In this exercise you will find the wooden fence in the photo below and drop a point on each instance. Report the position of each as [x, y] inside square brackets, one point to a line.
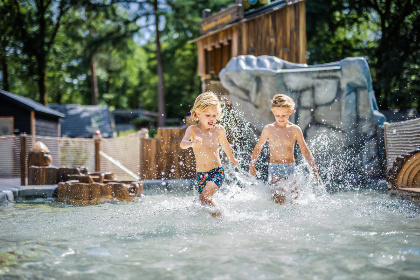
[130, 157]
[164, 158]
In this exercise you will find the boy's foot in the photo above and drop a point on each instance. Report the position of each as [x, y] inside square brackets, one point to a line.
[216, 214]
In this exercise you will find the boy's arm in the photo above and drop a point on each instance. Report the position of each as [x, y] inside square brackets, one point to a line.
[226, 146]
[186, 141]
[257, 151]
[307, 154]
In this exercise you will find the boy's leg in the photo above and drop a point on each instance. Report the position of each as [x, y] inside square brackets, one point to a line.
[206, 195]
[278, 191]
[206, 198]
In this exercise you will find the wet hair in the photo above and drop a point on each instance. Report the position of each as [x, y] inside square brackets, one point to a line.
[203, 102]
[282, 101]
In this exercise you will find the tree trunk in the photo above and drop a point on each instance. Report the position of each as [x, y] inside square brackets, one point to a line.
[42, 88]
[41, 56]
[94, 83]
[5, 69]
[161, 83]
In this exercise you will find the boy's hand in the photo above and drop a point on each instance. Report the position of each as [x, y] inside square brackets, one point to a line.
[195, 141]
[252, 170]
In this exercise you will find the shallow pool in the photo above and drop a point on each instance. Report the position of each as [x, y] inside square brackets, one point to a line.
[360, 234]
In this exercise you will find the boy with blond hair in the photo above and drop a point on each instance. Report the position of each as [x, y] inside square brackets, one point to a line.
[282, 136]
[205, 138]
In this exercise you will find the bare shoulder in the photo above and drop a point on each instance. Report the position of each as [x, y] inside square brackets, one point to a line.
[266, 131]
[220, 130]
[269, 127]
[191, 130]
[295, 128]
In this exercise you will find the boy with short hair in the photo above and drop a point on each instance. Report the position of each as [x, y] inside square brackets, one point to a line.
[204, 138]
[282, 136]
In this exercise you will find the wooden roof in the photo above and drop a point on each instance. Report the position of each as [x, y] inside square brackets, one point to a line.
[249, 15]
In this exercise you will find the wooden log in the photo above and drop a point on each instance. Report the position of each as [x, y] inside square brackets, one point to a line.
[404, 176]
[79, 194]
[408, 169]
[42, 175]
[107, 192]
[134, 189]
[94, 193]
[51, 175]
[61, 195]
[87, 179]
[140, 186]
[63, 173]
[121, 192]
[106, 175]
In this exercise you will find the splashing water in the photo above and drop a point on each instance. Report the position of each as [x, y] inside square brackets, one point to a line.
[168, 235]
[347, 234]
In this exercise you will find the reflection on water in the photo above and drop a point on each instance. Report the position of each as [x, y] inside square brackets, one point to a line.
[348, 235]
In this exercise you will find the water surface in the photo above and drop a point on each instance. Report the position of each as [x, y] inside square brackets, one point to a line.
[360, 234]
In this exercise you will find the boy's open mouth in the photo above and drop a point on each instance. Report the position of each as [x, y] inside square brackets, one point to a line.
[210, 123]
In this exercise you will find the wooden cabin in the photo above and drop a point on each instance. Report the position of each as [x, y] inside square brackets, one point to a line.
[276, 29]
[19, 114]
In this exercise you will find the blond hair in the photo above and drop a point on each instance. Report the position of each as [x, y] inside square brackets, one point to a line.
[282, 101]
[203, 102]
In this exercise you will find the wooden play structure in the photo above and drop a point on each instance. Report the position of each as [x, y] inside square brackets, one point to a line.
[402, 145]
[275, 29]
[404, 176]
[80, 193]
[76, 185]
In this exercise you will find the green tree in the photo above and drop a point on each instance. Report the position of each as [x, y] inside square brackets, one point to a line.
[386, 32]
[37, 24]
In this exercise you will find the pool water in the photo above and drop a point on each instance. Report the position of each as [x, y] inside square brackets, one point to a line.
[358, 234]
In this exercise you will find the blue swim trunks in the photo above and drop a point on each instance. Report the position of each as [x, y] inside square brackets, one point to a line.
[216, 175]
[283, 170]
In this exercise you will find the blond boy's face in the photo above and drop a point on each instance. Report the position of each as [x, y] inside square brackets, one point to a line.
[208, 117]
[281, 115]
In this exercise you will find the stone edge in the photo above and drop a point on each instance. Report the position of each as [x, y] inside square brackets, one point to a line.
[14, 194]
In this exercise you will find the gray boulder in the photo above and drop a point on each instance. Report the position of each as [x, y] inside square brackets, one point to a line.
[334, 100]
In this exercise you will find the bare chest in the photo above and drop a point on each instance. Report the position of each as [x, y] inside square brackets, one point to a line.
[209, 139]
[281, 137]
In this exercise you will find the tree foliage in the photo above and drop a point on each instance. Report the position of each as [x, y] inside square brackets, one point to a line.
[385, 32]
[62, 39]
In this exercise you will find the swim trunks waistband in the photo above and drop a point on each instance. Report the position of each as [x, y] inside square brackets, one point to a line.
[283, 170]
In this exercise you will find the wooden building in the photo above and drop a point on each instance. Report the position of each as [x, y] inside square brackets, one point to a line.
[275, 29]
[19, 114]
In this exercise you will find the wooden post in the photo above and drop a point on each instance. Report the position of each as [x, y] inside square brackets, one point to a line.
[143, 134]
[33, 127]
[23, 167]
[97, 138]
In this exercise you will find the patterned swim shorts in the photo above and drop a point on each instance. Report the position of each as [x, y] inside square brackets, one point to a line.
[216, 175]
